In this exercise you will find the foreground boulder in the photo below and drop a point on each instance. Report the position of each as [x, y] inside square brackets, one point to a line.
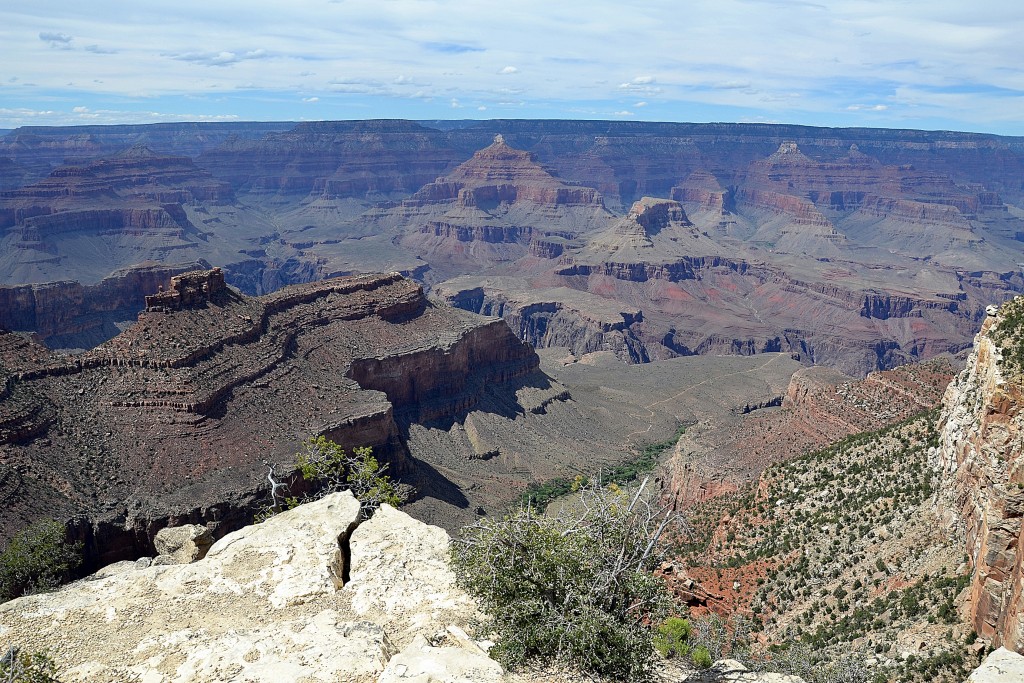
[268, 603]
[183, 544]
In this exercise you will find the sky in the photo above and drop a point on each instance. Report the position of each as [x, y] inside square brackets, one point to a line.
[923, 64]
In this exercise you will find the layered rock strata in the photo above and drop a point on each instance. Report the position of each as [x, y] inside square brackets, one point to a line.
[794, 238]
[178, 419]
[69, 314]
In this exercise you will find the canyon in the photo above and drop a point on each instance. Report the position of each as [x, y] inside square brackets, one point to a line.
[855, 248]
[489, 305]
[180, 418]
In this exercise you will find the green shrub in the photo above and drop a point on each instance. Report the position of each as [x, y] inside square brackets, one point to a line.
[329, 469]
[576, 589]
[671, 637]
[21, 667]
[38, 559]
[700, 657]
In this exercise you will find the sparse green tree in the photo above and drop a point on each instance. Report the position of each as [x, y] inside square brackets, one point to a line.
[38, 558]
[671, 637]
[329, 469]
[701, 658]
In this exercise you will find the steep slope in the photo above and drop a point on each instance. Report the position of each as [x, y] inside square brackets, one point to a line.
[841, 555]
[819, 407]
[862, 545]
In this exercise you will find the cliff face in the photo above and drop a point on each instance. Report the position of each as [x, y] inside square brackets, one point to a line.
[69, 314]
[982, 458]
[546, 317]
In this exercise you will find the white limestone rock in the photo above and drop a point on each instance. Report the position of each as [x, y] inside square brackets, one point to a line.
[422, 663]
[400, 567]
[732, 671]
[263, 603]
[1002, 666]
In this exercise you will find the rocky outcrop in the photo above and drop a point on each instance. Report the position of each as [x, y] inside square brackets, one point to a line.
[173, 421]
[183, 544]
[498, 207]
[299, 597]
[500, 174]
[703, 190]
[982, 461]
[190, 290]
[309, 595]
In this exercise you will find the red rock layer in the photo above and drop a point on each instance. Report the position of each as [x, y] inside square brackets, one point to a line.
[501, 174]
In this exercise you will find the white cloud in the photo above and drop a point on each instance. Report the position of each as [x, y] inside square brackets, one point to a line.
[311, 99]
[643, 85]
[624, 112]
[222, 58]
[509, 70]
[867, 107]
[640, 104]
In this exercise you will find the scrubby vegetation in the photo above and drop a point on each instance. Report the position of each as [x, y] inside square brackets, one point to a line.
[1009, 335]
[38, 558]
[540, 495]
[18, 666]
[862, 572]
[575, 589]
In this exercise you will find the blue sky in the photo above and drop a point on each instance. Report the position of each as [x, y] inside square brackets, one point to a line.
[930, 64]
